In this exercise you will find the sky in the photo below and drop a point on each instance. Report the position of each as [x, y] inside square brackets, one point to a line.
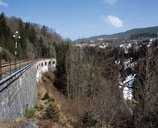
[85, 18]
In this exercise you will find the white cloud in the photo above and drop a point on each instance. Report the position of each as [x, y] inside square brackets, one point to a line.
[111, 2]
[114, 21]
[4, 4]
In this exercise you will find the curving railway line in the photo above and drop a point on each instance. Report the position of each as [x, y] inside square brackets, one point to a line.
[8, 68]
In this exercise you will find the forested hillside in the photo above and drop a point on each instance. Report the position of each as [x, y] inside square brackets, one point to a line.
[36, 41]
[118, 84]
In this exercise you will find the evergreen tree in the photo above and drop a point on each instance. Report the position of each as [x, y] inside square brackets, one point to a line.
[6, 40]
[4, 31]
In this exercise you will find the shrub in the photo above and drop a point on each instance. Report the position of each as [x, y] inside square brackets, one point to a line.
[29, 113]
[88, 120]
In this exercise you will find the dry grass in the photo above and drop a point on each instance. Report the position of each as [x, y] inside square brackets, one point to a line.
[8, 125]
[52, 103]
[13, 124]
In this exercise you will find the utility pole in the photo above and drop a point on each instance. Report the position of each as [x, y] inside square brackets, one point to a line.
[16, 36]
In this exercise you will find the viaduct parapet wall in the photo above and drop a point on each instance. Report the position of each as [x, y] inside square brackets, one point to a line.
[20, 95]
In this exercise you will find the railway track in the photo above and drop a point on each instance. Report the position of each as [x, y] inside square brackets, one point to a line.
[9, 68]
[8, 80]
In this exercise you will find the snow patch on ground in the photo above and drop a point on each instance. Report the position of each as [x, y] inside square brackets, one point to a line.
[127, 85]
[150, 43]
[103, 46]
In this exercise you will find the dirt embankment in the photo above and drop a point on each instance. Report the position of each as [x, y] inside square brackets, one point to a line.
[50, 111]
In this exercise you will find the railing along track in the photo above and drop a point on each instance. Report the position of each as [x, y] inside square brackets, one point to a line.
[7, 81]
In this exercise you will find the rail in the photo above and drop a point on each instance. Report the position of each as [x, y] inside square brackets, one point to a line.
[6, 82]
[8, 68]
[13, 63]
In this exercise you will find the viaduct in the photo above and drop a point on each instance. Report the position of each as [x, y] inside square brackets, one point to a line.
[18, 90]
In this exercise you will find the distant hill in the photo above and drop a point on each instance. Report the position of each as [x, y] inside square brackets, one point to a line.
[138, 33]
